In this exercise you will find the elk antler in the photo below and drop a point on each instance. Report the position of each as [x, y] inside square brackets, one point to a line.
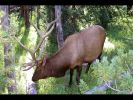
[42, 35]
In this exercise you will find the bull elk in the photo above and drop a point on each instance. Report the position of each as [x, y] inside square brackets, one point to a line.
[78, 48]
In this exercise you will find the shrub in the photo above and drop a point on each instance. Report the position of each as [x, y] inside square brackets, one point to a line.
[119, 71]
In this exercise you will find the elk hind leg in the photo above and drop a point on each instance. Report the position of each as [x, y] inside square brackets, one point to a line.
[71, 76]
[87, 69]
[79, 69]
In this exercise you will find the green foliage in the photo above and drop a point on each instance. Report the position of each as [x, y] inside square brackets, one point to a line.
[1, 13]
[57, 86]
[83, 86]
[51, 42]
[23, 32]
[2, 80]
[119, 70]
[51, 45]
[70, 17]
[2, 70]
[48, 87]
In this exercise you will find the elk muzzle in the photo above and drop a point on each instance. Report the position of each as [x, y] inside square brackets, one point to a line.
[35, 77]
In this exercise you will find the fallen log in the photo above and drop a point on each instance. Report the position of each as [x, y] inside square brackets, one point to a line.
[99, 88]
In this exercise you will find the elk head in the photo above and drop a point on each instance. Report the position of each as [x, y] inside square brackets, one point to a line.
[40, 68]
[35, 62]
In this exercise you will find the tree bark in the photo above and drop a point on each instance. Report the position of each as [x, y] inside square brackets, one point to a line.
[24, 11]
[38, 16]
[59, 30]
[7, 52]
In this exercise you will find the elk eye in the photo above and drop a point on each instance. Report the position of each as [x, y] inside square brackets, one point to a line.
[38, 68]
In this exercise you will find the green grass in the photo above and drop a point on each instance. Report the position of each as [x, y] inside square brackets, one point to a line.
[60, 85]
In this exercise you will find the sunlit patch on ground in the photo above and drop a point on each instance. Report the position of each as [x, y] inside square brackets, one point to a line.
[108, 44]
[29, 72]
[25, 77]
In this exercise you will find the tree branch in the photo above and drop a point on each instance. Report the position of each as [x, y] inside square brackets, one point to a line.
[102, 87]
[49, 24]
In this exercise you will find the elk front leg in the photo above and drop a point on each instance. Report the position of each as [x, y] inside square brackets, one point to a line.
[79, 69]
[71, 75]
[87, 69]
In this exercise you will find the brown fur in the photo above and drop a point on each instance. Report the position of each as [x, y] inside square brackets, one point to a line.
[78, 48]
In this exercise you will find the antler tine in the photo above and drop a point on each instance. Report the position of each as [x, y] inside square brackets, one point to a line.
[38, 31]
[31, 53]
[29, 67]
[49, 24]
[27, 64]
[42, 37]
[23, 46]
[45, 35]
[30, 64]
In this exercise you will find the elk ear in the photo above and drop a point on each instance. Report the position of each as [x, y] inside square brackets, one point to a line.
[44, 62]
[44, 59]
[46, 55]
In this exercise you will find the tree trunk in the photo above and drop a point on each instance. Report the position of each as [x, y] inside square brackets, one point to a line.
[7, 52]
[38, 17]
[59, 30]
[24, 11]
[30, 85]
